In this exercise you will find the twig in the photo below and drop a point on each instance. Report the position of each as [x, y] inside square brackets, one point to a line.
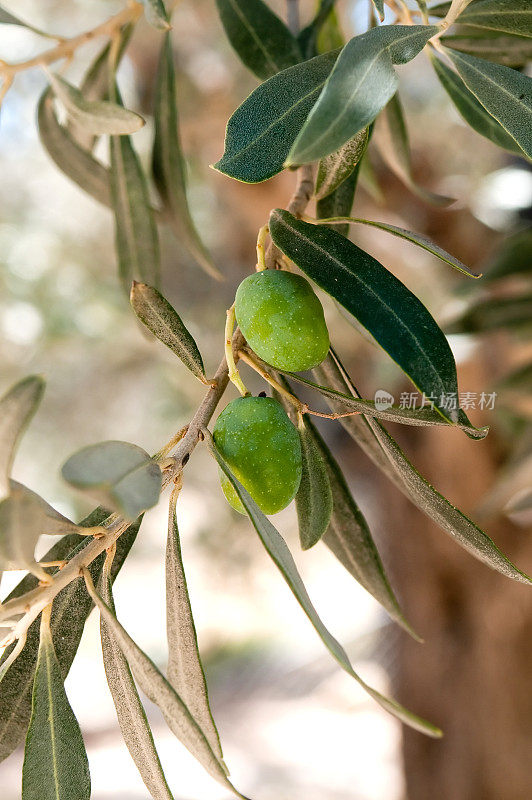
[297, 205]
[292, 16]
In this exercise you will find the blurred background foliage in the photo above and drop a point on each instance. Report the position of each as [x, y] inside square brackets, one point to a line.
[292, 725]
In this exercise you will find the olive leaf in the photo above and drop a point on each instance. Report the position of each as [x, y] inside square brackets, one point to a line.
[309, 36]
[505, 93]
[262, 129]
[384, 451]
[361, 83]
[510, 50]
[24, 517]
[17, 407]
[75, 162]
[155, 13]
[334, 169]
[168, 163]
[164, 322]
[282, 558]
[415, 238]
[134, 725]
[394, 316]
[471, 110]
[514, 257]
[185, 670]
[55, 761]
[261, 40]
[96, 116]
[70, 610]
[493, 313]
[379, 5]
[508, 16]
[137, 242]
[119, 475]
[314, 501]
[159, 691]
[404, 416]
[391, 136]
[340, 202]
[6, 18]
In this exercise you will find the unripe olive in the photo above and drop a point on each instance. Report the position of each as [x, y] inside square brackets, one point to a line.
[282, 320]
[263, 450]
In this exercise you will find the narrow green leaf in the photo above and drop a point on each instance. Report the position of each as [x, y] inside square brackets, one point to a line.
[513, 257]
[314, 501]
[17, 407]
[119, 475]
[132, 719]
[165, 323]
[440, 10]
[505, 94]
[24, 517]
[340, 202]
[137, 242]
[185, 670]
[96, 116]
[509, 50]
[394, 316]
[155, 13]
[362, 82]
[415, 238]
[159, 691]
[493, 313]
[75, 162]
[280, 554]
[384, 451]
[169, 165]
[394, 146]
[55, 761]
[309, 36]
[261, 40]
[6, 18]
[508, 16]
[262, 130]
[70, 610]
[404, 416]
[337, 167]
[471, 110]
[379, 5]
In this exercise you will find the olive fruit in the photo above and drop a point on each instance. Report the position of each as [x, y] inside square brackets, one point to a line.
[282, 320]
[263, 450]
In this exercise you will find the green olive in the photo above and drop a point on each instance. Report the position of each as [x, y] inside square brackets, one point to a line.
[282, 320]
[263, 450]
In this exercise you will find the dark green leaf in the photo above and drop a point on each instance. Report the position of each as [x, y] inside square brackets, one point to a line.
[493, 313]
[309, 36]
[70, 610]
[508, 16]
[56, 766]
[514, 257]
[159, 691]
[512, 51]
[169, 165]
[340, 202]
[95, 116]
[394, 147]
[314, 497]
[155, 13]
[185, 670]
[76, 163]
[17, 407]
[404, 416]
[379, 5]
[282, 558]
[261, 131]
[120, 475]
[165, 323]
[337, 167]
[360, 85]
[394, 316]
[261, 40]
[134, 725]
[471, 110]
[384, 451]
[415, 238]
[137, 243]
[505, 94]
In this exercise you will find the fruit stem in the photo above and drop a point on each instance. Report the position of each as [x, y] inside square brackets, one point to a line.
[261, 250]
[246, 356]
[234, 375]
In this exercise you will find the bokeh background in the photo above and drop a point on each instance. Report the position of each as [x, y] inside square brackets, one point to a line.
[292, 724]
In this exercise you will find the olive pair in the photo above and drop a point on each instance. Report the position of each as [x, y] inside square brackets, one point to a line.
[283, 322]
